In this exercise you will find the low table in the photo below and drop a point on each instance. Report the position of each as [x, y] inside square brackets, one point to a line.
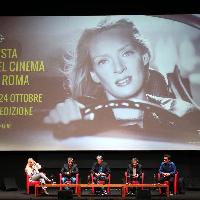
[122, 186]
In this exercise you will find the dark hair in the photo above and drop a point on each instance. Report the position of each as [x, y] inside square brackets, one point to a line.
[168, 156]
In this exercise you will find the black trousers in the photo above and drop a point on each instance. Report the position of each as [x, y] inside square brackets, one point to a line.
[133, 189]
[100, 178]
[171, 182]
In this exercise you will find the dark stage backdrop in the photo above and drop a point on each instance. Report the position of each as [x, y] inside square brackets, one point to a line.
[46, 78]
[13, 163]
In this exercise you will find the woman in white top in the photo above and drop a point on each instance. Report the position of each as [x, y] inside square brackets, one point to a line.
[32, 169]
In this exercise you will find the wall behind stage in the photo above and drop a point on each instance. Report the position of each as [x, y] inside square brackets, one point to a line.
[13, 163]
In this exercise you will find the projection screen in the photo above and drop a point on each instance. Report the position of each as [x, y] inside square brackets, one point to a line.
[127, 82]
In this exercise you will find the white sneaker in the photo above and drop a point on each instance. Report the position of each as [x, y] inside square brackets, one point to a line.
[105, 192]
[45, 192]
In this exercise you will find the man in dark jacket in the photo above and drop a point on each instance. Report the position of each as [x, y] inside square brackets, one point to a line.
[134, 173]
[69, 171]
[167, 171]
[100, 170]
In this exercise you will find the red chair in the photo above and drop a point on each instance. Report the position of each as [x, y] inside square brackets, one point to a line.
[69, 182]
[133, 182]
[30, 183]
[101, 182]
[175, 182]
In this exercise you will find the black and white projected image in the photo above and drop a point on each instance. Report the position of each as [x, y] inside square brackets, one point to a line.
[100, 82]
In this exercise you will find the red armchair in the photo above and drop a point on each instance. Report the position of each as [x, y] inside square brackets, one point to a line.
[30, 183]
[68, 182]
[133, 182]
[101, 182]
[175, 182]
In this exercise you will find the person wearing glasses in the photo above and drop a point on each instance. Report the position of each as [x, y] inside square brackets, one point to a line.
[167, 171]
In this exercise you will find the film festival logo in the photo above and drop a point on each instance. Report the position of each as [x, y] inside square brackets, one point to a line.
[2, 38]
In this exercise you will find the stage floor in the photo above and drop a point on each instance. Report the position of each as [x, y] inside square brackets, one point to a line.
[115, 195]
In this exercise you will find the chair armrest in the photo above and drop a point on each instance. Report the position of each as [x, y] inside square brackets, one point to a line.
[142, 177]
[109, 177]
[77, 178]
[126, 177]
[158, 176]
[60, 177]
[92, 177]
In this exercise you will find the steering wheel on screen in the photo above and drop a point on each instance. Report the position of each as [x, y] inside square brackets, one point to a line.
[156, 110]
[173, 124]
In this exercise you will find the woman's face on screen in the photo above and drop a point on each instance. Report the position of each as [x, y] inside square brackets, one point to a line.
[117, 64]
